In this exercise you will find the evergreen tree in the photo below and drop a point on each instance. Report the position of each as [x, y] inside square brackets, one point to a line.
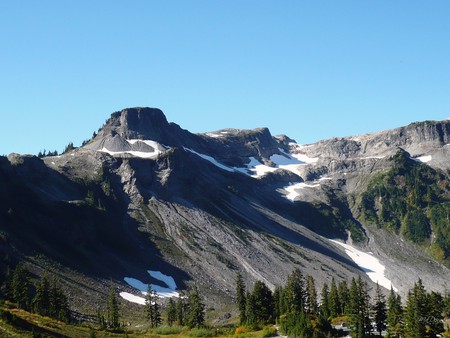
[333, 300]
[171, 312]
[311, 297]
[21, 287]
[416, 311]
[153, 314]
[58, 303]
[295, 291]
[181, 309]
[113, 308]
[394, 316]
[325, 306]
[277, 298]
[434, 317]
[6, 278]
[250, 312]
[41, 300]
[196, 310]
[380, 310]
[359, 307]
[240, 298]
[263, 302]
[343, 296]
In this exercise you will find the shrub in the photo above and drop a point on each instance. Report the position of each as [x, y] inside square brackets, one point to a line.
[165, 330]
[269, 331]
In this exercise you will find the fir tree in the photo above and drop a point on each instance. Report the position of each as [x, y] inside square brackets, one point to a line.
[416, 311]
[181, 309]
[379, 309]
[250, 312]
[295, 291]
[152, 308]
[171, 312]
[113, 308]
[333, 299]
[263, 302]
[325, 306]
[277, 299]
[21, 287]
[41, 300]
[311, 297]
[196, 310]
[343, 296]
[240, 298]
[434, 317]
[394, 315]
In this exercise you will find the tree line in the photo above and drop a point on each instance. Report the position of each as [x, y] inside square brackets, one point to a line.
[296, 308]
[45, 298]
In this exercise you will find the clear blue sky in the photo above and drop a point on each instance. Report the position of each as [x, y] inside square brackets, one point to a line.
[308, 69]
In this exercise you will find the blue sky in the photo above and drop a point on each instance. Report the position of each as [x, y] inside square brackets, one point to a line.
[308, 69]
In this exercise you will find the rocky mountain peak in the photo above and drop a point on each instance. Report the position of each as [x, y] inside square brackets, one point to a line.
[137, 123]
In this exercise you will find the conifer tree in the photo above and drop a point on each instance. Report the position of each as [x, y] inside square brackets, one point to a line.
[416, 311]
[277, 298]
[295, 291]
[379, 309]
[394, 315]
[21, 287]
[171, 312]
[434, 317]
[311, 297]
[343, 296]
[359, 307]
[240, 298]
[325, 306]
[250, 312]
[181, 309]
[196, 310]
[41, 300]
[333, 299]
[113, 309]
[153, 314]
[263, 302]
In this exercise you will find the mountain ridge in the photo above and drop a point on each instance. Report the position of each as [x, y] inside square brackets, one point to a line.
[201, 207]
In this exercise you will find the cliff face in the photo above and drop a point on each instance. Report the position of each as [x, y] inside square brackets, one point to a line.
[146, 194]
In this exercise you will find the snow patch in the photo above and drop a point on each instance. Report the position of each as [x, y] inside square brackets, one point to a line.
[292, 189]
[132, 298]
[162, 292]
[211, 159]
[369, 264]
[422, 159]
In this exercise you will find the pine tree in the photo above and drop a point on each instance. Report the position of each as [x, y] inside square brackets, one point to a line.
[277, 298]
[343, 296]
[325, 306]
[295, 291]
[181, 309]
[380, 310]
[153, 314]
[263, 302]
[21, 287]
[240, 298]
[394, 316]
[171, 312]
[333, 300]
[416, 311]
[359, 307]
[311, 297]
[113, 308]
[41, 300]
[196, 310]
[434, 318]
[250, 312]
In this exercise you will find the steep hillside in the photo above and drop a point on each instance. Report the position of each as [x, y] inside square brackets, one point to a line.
[145, 201]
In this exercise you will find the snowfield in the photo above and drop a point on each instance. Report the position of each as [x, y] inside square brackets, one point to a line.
[158, 149]
[162, 292]
[422, 159]
[292, 189]
[369, 264]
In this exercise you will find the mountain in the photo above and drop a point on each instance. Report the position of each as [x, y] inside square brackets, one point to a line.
[145, 201]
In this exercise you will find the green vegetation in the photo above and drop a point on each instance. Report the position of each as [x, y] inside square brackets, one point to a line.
[412, 200]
